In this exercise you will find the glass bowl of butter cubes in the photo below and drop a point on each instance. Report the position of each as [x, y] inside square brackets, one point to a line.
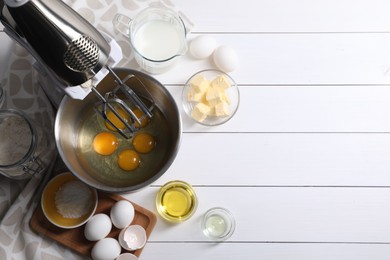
[210, 97]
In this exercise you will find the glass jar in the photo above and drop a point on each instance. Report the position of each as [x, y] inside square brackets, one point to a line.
[25, 147]
[157, 35]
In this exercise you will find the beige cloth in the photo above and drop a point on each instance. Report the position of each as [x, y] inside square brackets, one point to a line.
[18, 199]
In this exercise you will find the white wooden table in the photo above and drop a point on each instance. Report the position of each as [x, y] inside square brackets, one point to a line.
[304, 165]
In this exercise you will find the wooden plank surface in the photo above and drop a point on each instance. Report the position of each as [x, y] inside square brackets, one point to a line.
[286, 214]
[287, 16]
[233, 251]
[321, 109]
[303, 59]
[282, 159]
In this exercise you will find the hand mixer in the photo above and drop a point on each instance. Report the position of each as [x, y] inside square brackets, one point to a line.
[75, 55]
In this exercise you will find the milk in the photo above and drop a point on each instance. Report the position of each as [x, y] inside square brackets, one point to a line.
[158, 40]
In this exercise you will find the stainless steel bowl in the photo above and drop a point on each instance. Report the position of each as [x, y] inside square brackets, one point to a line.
[72, 115]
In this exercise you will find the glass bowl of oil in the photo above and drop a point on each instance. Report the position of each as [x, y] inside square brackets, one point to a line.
[176, 201]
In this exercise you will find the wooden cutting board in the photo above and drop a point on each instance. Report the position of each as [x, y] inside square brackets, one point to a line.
[74, 238]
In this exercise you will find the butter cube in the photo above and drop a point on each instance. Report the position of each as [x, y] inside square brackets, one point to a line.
[195, 96]
[221, 82]
[200, 112]
[212, 111]
[225, 97]
[222, 109]
[214, 96]
[199, 84]
[211, 98]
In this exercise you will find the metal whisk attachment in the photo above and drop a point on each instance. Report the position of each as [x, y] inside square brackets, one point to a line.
[122, 101]
[82, 55]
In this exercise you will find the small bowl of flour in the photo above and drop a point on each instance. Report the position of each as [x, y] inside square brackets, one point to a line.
[67, 202]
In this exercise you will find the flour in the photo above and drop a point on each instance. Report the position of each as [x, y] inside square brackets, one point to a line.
[73, 199]
[15, 139]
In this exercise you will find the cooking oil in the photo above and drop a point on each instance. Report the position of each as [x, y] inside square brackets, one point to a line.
[176, 201]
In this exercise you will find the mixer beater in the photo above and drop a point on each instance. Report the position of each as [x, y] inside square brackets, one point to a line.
[111, 101]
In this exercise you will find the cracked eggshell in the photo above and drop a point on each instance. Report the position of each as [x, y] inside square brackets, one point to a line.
[225, 58]
[122, 214]
[133, 237]
[202, 46]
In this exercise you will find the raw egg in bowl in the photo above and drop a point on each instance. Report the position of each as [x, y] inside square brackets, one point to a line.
[116, 164]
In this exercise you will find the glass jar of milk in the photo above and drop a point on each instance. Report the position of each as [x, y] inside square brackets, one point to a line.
[157, 36]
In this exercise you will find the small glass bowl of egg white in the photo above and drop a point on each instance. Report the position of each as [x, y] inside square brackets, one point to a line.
[210, 97]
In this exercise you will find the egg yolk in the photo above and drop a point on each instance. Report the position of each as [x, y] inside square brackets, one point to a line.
[105, 143]
[139, 114]
[128, 160]
[115, 120]
[143, 143]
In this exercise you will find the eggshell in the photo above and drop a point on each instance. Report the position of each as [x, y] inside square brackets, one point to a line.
[122, 214]
[106, 248]
[133, 237]
[98, 227]
[225, 58]
[202, 46]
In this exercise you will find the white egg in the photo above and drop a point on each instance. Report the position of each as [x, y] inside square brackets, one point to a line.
[225, 58]
[127, 256]
[122, 214]
[98, 227]
[106, 248]
[202, 46]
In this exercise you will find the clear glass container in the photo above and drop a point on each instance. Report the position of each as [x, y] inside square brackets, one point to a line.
[211, 83]
[25, 147]
[157, 36]
[176, 201]
[218, 224]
